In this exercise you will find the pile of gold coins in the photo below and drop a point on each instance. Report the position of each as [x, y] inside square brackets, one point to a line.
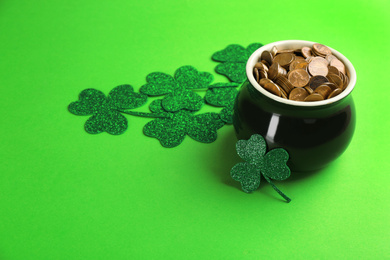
[306, 74]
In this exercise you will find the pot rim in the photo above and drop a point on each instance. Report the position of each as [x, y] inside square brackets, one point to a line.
[293, 44]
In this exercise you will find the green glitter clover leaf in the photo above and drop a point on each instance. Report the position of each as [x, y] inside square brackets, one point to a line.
[178, 89]
[105, 111]
[172, 129]
[271, 165]
[234, 58]
[223, 95]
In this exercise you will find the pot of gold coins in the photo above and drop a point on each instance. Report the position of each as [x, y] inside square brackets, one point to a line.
[298, 97]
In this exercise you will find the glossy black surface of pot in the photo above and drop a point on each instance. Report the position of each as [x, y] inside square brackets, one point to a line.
[313, 136]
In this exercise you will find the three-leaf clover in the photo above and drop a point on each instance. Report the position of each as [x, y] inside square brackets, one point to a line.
[271, 165]
[234, 58]
[105, 110]
[172, 129]
[178, 89]
[223, 95]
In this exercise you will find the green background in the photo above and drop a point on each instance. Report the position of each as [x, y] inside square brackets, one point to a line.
[65, 194]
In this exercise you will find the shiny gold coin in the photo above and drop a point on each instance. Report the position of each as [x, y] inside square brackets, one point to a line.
[286, 51]
[284, 59]
[276, 70]
[336, 80]
[324, 91]
[330, 57]
[338, 64]
[335, 92]
[265, 63]
[273, 88]
[299, 77]
[317, 68]
[333, 70]
[309, 90]
[264, 81]
[274, 51]
[263, 74]
[320, 59]
[306, 52]
[298, 64]
[314, 97]
[283, 82]
[346, 81]
[321, 49]
[299, 58]
[256, 74]
[331, 85]
[316, 81]
[262, 66]
[298, 94]
[267, 56]
[283, 93]
[341, 75]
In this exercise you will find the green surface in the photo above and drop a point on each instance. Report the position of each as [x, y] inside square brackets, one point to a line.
[66, 194]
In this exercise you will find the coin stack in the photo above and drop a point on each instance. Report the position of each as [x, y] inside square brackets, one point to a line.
[305, 74]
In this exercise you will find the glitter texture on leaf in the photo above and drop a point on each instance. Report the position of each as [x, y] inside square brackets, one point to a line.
[178, 89]
[271, 165]
[171, 131]
[223, 95]
[104, 111]
[234, 58]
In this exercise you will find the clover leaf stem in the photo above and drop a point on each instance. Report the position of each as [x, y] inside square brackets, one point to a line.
[277, 190]
[142, 114]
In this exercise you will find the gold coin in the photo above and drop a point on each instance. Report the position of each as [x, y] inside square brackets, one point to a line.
[276, 70]
[264, 81]
[325, 62]
[335, 92]
[333, 70]
[314, 97]
[309, 90]
[316, 81]
[321, 49]
[331, 85]
[265, 63]
[273, 88]
[330, 57]
[298, 94]
[317, 68]
[283, 82]
[338, 64]
[336, 80]
[298, 64]
[346, 82]
[323, 90]
[283, 93]
[267, 56]
[261, 66]
[299, 77]
[274, 51]
[299, 58]
[306, 52]
[256, 74]
[263, 74]
[284, 59]
[286, 51]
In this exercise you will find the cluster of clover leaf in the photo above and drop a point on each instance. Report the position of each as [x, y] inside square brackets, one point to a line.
[175, 114]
